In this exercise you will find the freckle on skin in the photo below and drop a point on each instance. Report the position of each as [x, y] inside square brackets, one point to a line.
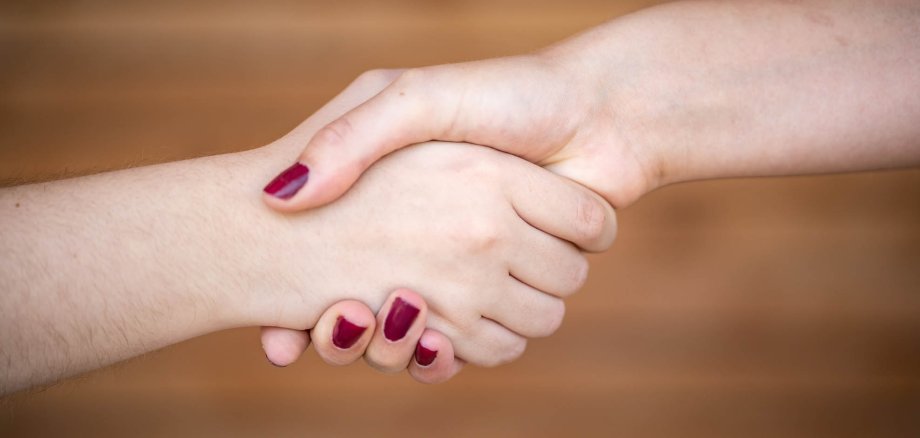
[401, 93]
[17, 205]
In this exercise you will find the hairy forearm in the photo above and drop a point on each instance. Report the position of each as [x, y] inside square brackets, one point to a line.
[102, 268]
[720, 89]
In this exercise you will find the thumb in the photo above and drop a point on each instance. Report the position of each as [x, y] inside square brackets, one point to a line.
[283, 346]
[402, 114]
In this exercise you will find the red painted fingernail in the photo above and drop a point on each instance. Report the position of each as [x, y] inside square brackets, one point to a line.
[345, 334]
[424, 356]
[401, 316]
[287, 183]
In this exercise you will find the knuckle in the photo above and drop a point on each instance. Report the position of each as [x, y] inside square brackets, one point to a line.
[591, 219]
[466, 321]
[504, 352]
[492, 168]
[513, 351]
[482, 235]
[551, 319]
[478, 170]
[334, 134]
[579, 274]
[412, 76]
[378, 78]
[490, 360]
[491, 352]
[548, 319]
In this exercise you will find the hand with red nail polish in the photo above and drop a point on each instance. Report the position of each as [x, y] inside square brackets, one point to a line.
[483, 236]
[645, 100]
[147, 257]
[288, 182]
[348, 330]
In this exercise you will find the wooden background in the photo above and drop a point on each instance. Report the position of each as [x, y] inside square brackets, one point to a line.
[785, 307]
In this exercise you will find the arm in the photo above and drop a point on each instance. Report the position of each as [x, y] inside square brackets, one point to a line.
[102, 268]
[679, 92]
[716, 90]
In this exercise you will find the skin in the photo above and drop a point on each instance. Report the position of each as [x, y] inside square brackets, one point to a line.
[286, 345]
[102, 268]
[380, 352]
[681, 92]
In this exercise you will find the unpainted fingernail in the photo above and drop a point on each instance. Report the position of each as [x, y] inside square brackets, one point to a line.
[399, 320]
[424, 356]
[288, 182]
[345, 333]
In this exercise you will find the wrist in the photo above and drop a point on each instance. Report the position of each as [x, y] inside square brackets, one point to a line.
[615, 151]
[659, 106]
[263, 262]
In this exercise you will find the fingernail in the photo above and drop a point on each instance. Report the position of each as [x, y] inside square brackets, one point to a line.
[287, 183]
[345, 334]
[400, 318]
[424, 356]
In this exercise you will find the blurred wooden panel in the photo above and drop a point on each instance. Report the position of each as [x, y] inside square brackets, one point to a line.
[97, 85]
[787, 307]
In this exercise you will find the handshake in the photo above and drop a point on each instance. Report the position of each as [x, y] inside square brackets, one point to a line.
[455, 200]
[480, 246]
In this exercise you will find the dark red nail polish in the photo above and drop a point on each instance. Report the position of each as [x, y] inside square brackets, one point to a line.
[287, 183]
[401, 316]
[424, 356]
[345, 334]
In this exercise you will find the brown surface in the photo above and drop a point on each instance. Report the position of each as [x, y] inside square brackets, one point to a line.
[786, 307]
